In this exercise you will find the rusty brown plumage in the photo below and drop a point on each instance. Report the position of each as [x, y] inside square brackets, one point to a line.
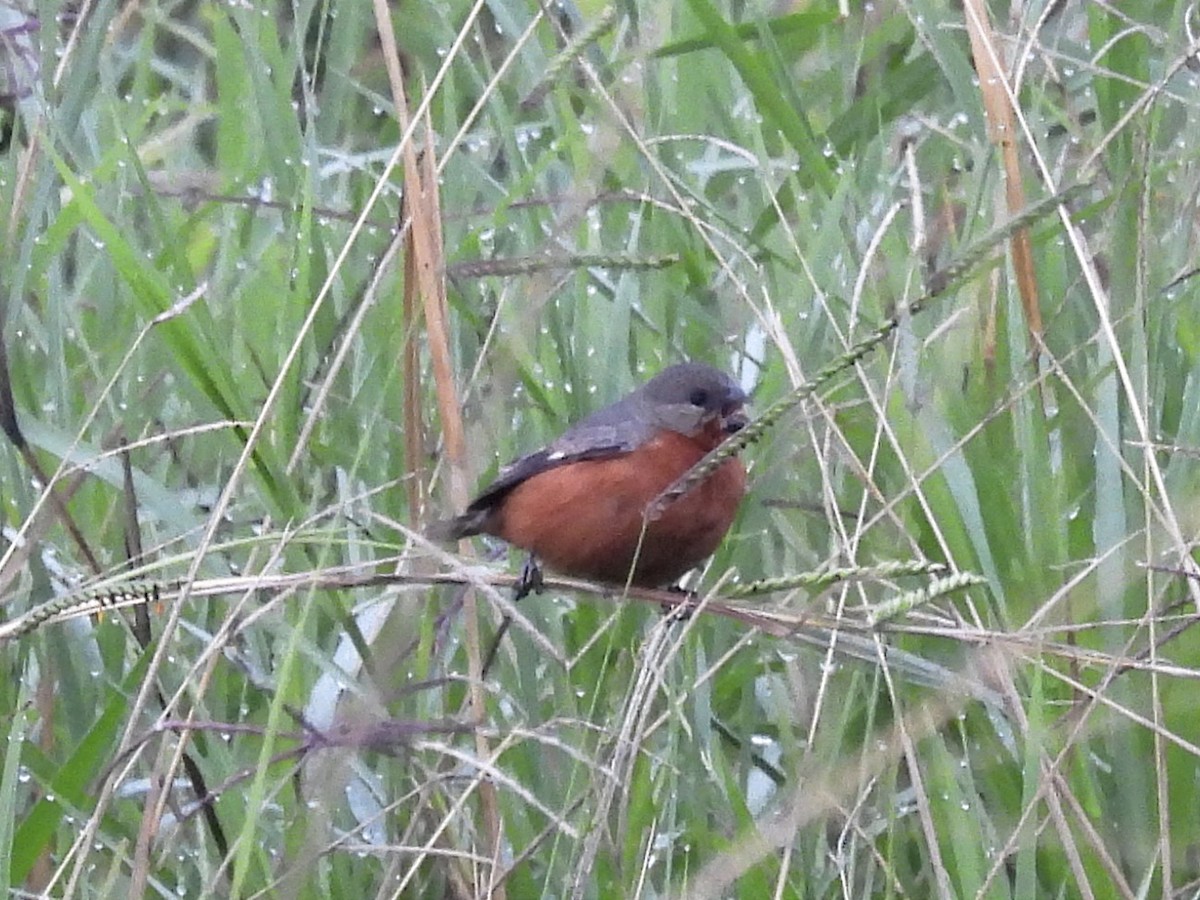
[578, 504]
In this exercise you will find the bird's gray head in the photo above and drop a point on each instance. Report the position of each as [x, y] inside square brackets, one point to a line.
[690, 396]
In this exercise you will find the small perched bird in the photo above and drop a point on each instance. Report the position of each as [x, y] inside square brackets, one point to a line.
[578, 504]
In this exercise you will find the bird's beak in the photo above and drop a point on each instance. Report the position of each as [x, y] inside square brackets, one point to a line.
[734, 419]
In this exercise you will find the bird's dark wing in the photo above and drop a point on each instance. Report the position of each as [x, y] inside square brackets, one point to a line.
[611, 431]
[474, 519]
[527, 466]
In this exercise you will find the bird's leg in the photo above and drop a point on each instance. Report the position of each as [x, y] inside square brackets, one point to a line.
[530, 581]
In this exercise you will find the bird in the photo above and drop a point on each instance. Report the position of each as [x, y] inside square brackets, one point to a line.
[578, 504]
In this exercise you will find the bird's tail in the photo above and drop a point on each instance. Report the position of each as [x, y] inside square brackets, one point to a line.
[464, 526]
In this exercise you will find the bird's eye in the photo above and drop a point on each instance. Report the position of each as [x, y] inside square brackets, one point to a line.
[699, 397]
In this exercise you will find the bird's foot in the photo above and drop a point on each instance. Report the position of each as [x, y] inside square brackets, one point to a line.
[682, 610]
[530, 581]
